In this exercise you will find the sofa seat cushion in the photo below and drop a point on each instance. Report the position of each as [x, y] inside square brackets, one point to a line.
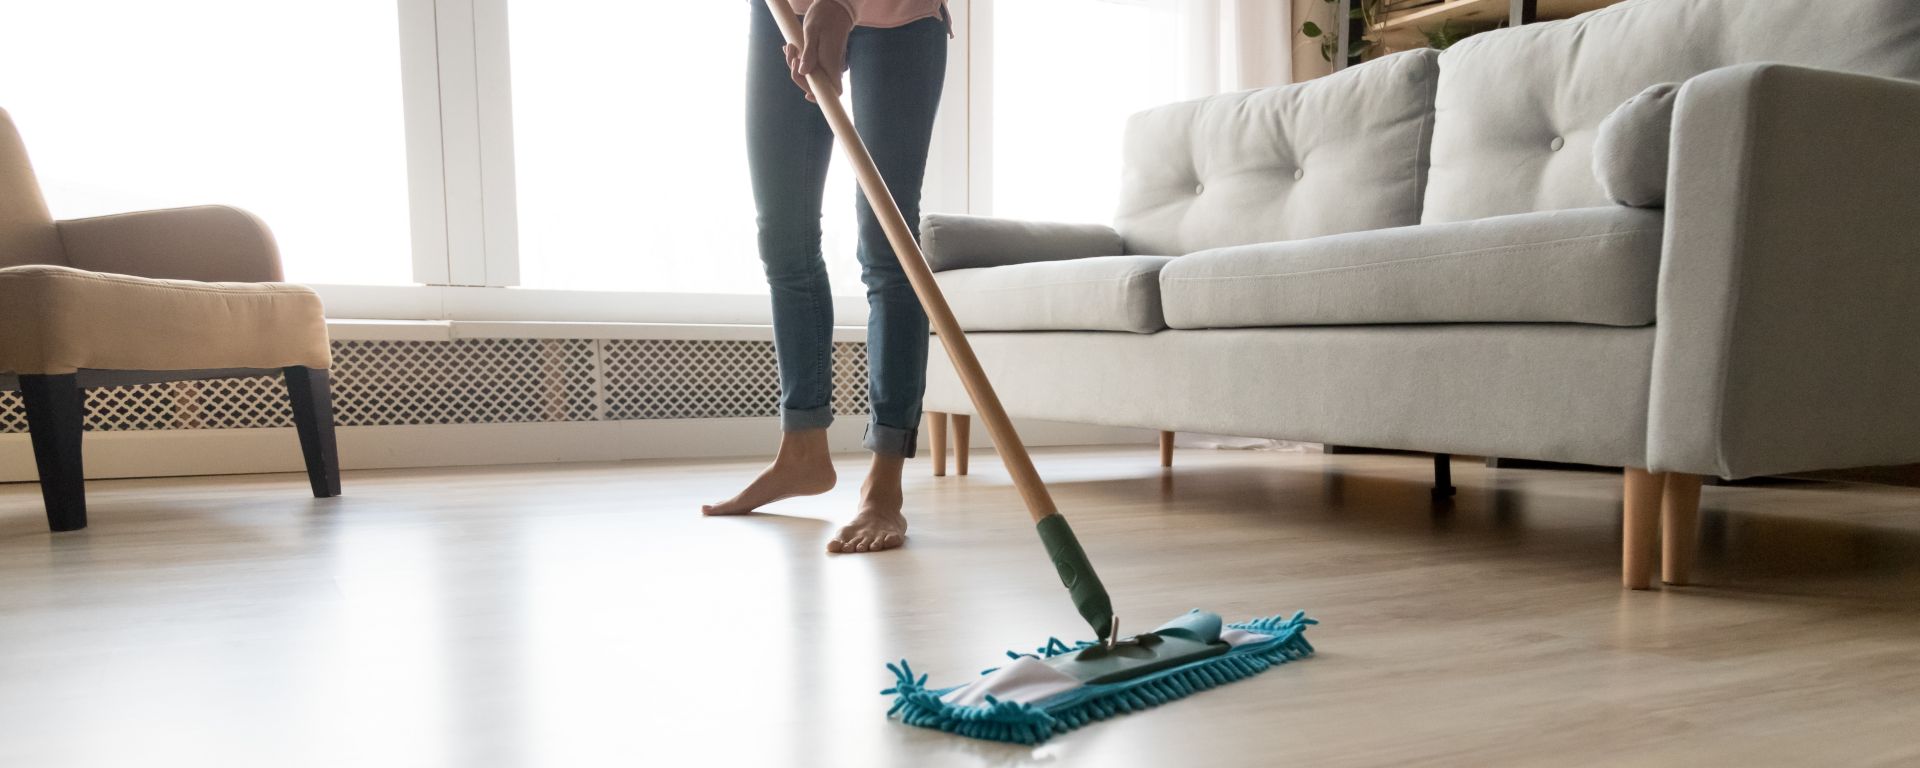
[1102, 293]
[1588, 265]
[60, 320]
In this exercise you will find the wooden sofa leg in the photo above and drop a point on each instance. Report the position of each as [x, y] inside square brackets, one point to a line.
[1442, 476]
[1679, 527]
[1639, 526]
[312, 399]
[56, 416]
[962, 440]
[937, 438]
[1166, 448]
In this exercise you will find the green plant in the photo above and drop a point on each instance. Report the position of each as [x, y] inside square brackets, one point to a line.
[1444, 36]
[1329, 41]
[1362, 17]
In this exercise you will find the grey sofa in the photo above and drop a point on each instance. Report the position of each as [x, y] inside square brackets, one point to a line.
[1433, 252]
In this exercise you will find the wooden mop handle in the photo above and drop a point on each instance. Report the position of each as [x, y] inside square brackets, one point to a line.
[1012, 453]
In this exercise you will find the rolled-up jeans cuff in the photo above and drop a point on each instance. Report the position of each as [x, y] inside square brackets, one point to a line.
[792, 420]
[892, 441]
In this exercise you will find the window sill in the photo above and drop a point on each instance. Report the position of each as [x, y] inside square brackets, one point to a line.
[532, 305]
[450, 330]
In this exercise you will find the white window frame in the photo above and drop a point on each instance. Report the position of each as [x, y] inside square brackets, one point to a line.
[456, 83]
[459, 111]
[426, 178]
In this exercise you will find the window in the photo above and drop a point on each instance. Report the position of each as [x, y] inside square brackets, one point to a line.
[289, 110]
[630, 150]
[558, 146]
[1066, 74]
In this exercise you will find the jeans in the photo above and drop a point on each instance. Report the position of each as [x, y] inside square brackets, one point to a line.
[896, 76]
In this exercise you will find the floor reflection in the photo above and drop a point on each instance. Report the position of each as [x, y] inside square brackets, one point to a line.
[589, 616]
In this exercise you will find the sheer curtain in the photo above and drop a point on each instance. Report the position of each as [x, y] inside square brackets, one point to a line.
[1234, 45]
[1067, 73]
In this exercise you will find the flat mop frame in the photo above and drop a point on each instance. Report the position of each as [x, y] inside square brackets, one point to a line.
[1076, 573]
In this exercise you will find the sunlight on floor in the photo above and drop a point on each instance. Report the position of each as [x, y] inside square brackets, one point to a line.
[586, 614]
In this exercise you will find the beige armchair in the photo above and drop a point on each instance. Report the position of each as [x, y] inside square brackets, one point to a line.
[172, 295]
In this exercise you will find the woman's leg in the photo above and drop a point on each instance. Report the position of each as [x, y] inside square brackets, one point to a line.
[788, 148]
[896, 77]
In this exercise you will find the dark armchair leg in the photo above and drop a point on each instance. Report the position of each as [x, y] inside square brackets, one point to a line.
[313, 418]
[1442, 476]
[55, 414]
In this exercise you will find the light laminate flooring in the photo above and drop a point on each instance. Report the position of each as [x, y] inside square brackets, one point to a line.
[587, 615]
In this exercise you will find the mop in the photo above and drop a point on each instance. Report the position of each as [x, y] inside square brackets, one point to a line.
[1058, 687]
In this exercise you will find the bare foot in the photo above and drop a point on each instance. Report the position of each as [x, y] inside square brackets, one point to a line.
[879, 524]
[803, 467]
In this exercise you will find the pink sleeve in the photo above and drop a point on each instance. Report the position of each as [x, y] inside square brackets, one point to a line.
[853, 8]
[880, 13]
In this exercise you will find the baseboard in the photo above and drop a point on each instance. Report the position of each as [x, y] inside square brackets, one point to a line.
[168, 453]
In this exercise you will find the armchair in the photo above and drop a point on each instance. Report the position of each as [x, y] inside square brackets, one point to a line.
[171, 295]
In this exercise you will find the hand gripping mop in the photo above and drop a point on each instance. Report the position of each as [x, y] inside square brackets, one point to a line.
[1059, 686]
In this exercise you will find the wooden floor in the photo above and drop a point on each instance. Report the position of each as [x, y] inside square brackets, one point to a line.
[585, 615]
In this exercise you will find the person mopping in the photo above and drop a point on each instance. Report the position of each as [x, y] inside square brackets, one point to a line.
[1059, 686]
[896, 53]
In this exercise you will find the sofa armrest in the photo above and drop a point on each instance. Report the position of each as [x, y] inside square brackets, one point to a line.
[1788, 315]
[208, 243]
[953, 241]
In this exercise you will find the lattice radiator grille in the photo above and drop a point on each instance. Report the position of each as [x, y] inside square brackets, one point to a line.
[485, 381]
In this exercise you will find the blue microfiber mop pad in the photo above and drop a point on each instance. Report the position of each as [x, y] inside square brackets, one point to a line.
[1031, 699]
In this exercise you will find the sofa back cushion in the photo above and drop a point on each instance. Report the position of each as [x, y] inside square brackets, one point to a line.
[1518, 109]
[27, 235]
[1342, 153]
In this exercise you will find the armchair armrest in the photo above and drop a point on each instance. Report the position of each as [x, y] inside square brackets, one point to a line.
[1788, 315]
[208, 243]
[964, 242]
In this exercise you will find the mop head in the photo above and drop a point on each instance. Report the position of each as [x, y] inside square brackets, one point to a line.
[1059, 687]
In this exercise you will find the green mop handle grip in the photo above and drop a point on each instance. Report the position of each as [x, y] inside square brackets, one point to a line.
[1076, 573]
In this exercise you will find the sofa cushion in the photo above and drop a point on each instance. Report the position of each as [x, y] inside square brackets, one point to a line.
[1341, 153]
[60, 320]
[1556, 392]
[1592, 265]
[1103, 293]
[1518, 109]
[1630, 155]
[955, 241]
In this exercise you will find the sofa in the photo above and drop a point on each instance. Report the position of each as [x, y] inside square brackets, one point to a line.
[1676, 236]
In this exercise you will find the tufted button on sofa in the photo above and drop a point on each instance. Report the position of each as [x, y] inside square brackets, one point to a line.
[1720, 280]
